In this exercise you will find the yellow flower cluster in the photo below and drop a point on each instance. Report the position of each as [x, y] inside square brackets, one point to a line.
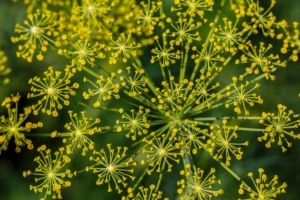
[175, 85]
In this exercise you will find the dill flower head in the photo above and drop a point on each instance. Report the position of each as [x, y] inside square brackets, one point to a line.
[54, 90]
[79, 129]
[264, 190]
[49, 172]
[175, 84]
[13, 125]
[40, 30]
[196, 186]
[112, 168]
[278, 127]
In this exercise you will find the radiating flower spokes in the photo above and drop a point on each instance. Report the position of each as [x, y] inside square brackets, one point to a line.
[240, 97]
[193, 138]
[82, 52]
[41, 29]
[112, 167]
[229, 35]
[54, 90]
[164, 54]
[209, 54]
[146, 18]
[184, 29]
[105, 89]
[79, 129]
[263, 190]
[91, 11]
[136, 122]
[279, 126]
[49, 172]
[172, 96]
[203, 94]
[178, 110]
[11, 127]
[256, 56]
[124, 47]
[221, 139]
[196, 185]
[261, 18]
[162, 151]
[137, 83]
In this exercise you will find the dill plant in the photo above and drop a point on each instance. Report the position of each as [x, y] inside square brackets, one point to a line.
[155, 69]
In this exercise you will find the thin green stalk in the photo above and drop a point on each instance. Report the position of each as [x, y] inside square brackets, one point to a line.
[100, 107]
[161, 13]
[160, 177]
[184, 60]
[89, 71]
[40, 134]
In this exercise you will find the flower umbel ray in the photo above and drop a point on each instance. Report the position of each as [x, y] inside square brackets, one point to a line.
[184, 29]
[192, 137]
[160, 75]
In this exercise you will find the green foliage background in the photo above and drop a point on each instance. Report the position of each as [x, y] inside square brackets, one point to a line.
[283, 90]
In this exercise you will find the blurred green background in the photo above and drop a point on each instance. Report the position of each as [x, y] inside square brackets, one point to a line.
[284, 89]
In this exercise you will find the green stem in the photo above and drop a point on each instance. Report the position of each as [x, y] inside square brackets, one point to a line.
[160, 177]
[40, 135]
[184, 60]
[101, 107]
[89, 71]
